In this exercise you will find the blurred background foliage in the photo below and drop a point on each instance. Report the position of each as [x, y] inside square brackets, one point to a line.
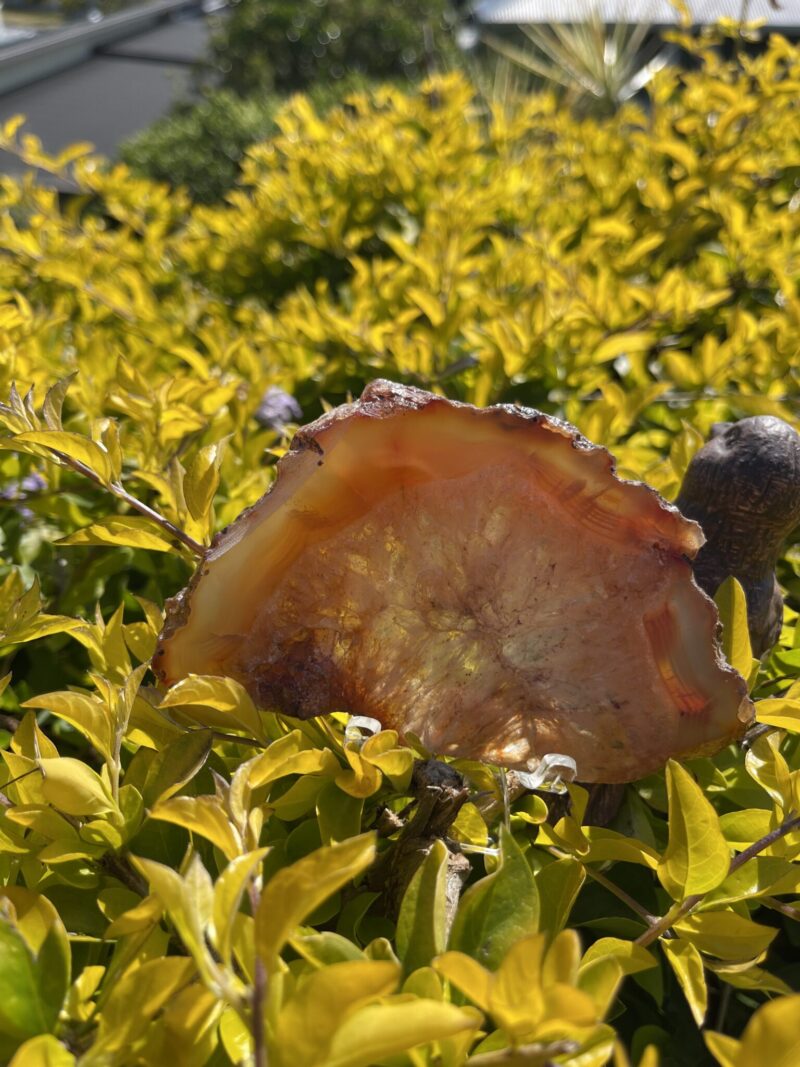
[263, 53]
[636, 273]
[288, 47]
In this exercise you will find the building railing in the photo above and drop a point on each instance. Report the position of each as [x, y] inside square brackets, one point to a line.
[57, 50]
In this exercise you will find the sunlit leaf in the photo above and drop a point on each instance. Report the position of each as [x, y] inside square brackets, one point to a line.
[499, 909]
[294, 892]
[697, 856]
[687, 964]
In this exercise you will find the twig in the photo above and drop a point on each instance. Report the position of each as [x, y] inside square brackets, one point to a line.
[121, 493]
[250, 742]
[117, 865]
[722, 1010]
[260, 1058]
[13, 781]
[620, 894]
[8, 722]
[778, 905]
[680, 911]
[440, 794]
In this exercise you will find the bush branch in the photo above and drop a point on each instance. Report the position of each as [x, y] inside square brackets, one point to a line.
[680, 911]
[258, 995]
[121, 493]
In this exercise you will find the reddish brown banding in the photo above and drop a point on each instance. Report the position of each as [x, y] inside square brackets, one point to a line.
[480, 578]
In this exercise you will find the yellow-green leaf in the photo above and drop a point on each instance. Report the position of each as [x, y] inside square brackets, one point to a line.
[202, 815]
[687, 964]
[732, 605]
[132, 531]
[228, 892]
[73, 445]
[780, 712]
[201, 481]
[84, 711]
[726, 934]
[295, 891]
[72, 787]
[223, 695]
[43, 1051]
[466, 974]
[328, 996]
[772, 1036]
[697, 857]
[421, 925]
[378, 1031]
[725, 1050]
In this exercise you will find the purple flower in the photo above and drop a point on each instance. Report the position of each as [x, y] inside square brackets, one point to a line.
[33, 483]
[277, 408]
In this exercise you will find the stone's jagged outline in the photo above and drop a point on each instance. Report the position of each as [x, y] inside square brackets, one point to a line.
[551, 458]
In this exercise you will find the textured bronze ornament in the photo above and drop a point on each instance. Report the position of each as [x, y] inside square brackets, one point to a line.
[477, 577]
[743, 487]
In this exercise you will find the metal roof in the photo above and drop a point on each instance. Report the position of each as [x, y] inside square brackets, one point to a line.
[112, 95]
[775, 13]
[182, 41]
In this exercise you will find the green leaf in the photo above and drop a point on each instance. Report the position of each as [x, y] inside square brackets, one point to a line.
[724, 1049]
[202, 480]
[135, 999]
[609, 845]
[687, 964]
[235, 1037]
[697, 857]
[42, 1051]
[328, 996]
[72, 787]
[558, 885]
[175, 764]
[74, 445]
[516, 994]
[202, 815]
[228, 893]
[338, 813]
[132, 531]
[189, 901]
[745, 826]
[499, 910]
[766, 764]
[466, 974]
[85, 712]
[34, 963]
[296, 891]
[219, 695]
[726, 934]
[781, 712]
[760, 875]
[376, 1032]
[732, 605]
[422, 923]
[323, 949]
[605, 963]
[755, 978]
[624, 344]
[772, 1036]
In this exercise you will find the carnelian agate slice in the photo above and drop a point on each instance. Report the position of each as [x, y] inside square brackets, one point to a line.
[477, 577]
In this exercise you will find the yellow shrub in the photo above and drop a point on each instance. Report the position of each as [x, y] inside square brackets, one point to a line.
[638, 275]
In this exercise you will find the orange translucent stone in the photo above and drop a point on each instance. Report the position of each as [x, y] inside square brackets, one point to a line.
[477, 577]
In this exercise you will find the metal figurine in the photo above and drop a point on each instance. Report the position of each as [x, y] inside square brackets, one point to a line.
[743, 487]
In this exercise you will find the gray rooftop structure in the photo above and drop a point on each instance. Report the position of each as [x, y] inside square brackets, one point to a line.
[182, 40]
[118, 89]
[776, 14]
